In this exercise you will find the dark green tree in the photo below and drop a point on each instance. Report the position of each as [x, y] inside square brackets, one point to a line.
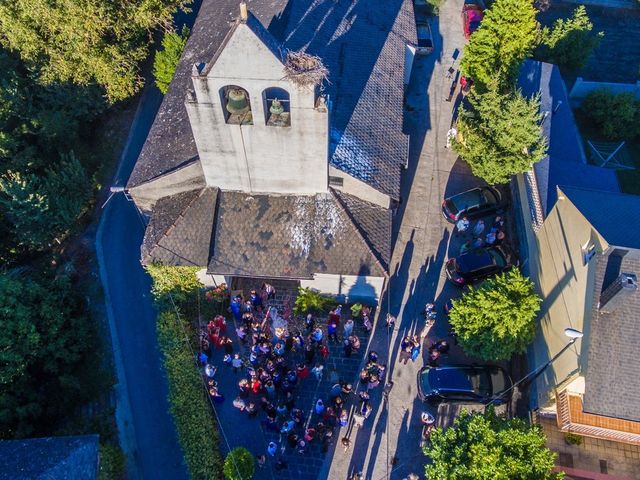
[616, 116]
[166, 60]
[508, 34]
[42, 208]
[569, 42]
[239, 465]
[483, 446]
[85, 41]
[44, 338]
[500, 134]
[496, 319]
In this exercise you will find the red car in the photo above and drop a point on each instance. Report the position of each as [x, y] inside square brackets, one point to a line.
[472, 15]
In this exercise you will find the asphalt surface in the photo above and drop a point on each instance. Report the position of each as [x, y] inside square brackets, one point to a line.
[388, 445]
[146, 429]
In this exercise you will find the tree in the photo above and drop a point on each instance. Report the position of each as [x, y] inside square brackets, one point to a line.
[500, 134]
[166, 60]
[42, 208]
[85, 41]
[483, 445]
[44, 339]
[569, 43]
[496, 319]
[239, 465]
[616, 116]
[508, 34]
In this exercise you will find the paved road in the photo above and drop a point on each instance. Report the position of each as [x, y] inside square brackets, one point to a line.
[424, 240]
[147, 432]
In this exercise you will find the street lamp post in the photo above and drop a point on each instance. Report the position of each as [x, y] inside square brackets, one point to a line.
[573, 335]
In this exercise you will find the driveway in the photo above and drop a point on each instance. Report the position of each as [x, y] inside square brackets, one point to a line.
[388, 446]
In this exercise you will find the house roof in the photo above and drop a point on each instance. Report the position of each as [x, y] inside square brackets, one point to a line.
[62, 458]
[288, 236]
[612, 385]
[361, 42]
[565, 163]
[180, 229]
[615, 216]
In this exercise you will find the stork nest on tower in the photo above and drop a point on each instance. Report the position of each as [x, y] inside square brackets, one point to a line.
[304, 70]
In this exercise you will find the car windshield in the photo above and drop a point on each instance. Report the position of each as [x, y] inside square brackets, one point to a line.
[498, 258]
[466, 200]
[488, 195]
[458, 379]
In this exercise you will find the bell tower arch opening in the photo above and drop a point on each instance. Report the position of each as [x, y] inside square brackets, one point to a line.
[277, 107]
[236, 105]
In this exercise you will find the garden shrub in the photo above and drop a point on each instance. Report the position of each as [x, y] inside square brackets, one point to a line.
[189, 405]
[310, 301]
[616, 116]
[239, 465]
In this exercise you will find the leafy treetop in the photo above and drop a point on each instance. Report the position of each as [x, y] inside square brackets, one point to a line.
[483, 446]
[497, 319]
[508, 35]
[166, 60]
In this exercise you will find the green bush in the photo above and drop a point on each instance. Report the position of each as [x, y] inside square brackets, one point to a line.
[112, 463]
[496, 319]
[189, 405]
[310, 301]
[570, 42]
[616, 116]
[166, 60]
[480, 446]
[573, 439]
[239, 465]
[179, 282]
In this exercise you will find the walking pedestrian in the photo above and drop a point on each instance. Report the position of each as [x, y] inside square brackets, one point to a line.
[309, 323]
[324, 351]
[317, 371]
[415, 349]
[319, 407]
[346, 443]
[478, 228]
[348, 328]
[462, 225]
[272, 449]
[348, 348]
[391, 321]
[309, 353]
[332, 330]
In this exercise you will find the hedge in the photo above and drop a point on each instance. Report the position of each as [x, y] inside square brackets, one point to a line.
[189, 405]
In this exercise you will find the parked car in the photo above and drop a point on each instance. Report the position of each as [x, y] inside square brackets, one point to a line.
[425, 38]
[463, 383]
[476, 265]
[472, 15]
[473, 203]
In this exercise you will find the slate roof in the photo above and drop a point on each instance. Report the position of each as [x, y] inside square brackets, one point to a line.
[565, 163]
[180, 229]
[373, 222]
[59, 458]
[362, 43]
[614, 215]
[612, 384]
[288, 236]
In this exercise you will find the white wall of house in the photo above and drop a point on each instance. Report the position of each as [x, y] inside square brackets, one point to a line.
[258, 158]
[211, 280]
[352, 287]
[358, 188]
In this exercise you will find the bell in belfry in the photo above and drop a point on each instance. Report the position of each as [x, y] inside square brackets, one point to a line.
[237, 103]
[276, 107]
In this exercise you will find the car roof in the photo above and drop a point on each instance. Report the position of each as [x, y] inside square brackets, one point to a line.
[475, 260]
[450, 378]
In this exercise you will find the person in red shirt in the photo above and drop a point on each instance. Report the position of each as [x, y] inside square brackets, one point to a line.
[324, 351]
[302, 371]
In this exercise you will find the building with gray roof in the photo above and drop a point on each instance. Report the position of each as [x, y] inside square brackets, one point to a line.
[246, 171]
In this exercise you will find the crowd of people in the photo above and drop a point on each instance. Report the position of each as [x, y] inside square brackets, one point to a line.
[273, 359]
[495, 235]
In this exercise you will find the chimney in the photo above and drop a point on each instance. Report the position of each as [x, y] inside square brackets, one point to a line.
[243, 11]
[618, 292]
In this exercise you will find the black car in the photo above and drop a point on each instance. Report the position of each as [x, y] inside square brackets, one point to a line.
[477, 265]
[473, 203]
[463, 383]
